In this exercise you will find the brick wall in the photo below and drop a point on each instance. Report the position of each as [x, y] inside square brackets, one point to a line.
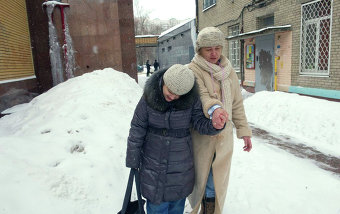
[225, 14]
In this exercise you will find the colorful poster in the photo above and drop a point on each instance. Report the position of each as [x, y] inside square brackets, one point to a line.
[250, 56]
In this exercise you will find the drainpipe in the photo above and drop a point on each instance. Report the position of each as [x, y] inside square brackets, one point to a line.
[63, 25]
[196, 1]
[277, 57]
[242, 62]
[64, 31]
[275, 73]
[62, 6]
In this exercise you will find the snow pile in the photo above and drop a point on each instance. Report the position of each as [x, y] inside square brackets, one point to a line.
[64, 152]
[315, 121]
[246, 94]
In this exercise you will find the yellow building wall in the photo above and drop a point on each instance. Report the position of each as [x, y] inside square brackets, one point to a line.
[15, 46]
[146, 40]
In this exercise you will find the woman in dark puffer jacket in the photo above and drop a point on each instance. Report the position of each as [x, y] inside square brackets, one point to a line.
[159, 142]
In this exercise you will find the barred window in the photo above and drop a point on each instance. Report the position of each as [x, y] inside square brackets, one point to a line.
[315, 37]
[208, 3]
[234, 47]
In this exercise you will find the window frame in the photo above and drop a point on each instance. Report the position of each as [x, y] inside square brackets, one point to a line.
[207, 4]
[234, 48]
[303, 42]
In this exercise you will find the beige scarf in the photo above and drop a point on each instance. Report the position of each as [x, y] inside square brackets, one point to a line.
[220, 73]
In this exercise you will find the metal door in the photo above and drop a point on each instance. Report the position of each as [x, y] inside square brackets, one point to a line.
[264, 64]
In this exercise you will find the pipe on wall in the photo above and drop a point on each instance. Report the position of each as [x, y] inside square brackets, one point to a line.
[196, 2]
[242, 61]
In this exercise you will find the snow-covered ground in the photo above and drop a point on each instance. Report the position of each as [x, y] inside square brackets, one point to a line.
[64, 152]
[316, 122]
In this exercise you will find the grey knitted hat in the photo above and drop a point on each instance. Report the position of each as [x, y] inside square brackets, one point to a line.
[209, 37]
[179, 79]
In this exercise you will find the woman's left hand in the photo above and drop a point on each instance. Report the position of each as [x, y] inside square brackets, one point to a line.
[247, 144]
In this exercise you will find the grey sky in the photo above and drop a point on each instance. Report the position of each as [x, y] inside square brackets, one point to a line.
[167, 9]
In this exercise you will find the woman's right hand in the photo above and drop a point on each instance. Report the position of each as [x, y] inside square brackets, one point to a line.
[219, 118]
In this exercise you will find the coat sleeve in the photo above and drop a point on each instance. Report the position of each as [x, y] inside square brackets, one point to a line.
[207, 100]
[137, 133]
[239, 117]
[200, 123]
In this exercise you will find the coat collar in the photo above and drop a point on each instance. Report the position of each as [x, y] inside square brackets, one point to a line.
[153, 94]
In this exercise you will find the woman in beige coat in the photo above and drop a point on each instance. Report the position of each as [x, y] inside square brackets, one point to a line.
[221, 98]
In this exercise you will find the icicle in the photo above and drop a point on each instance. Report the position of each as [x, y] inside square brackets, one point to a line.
[70, 60]
[55, 57]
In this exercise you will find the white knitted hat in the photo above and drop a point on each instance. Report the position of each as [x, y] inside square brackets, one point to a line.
[179, 79]
[209, 37]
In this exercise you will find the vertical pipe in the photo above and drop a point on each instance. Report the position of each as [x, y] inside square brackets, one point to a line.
[275, 73]
[197, 16]
[63, 28]
[242, 61]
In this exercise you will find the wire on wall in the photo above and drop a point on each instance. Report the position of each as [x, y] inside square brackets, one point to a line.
[255, 4]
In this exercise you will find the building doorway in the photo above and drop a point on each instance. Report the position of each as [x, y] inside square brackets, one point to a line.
[264, 65]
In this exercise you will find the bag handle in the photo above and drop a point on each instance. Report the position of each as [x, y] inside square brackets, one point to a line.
[127, 198]
[140, 203]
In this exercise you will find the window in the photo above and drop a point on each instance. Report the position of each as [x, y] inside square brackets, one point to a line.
[163, 50]
[169, 48]
[266, 21]
[234, 48]
[315, 37]
[208, 3]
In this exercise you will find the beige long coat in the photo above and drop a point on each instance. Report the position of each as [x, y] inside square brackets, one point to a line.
[205, 146]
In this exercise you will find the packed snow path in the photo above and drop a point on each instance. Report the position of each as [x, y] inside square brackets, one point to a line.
[294, 146]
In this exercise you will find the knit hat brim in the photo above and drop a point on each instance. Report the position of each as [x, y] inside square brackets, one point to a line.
[209, 37]
[179, 79]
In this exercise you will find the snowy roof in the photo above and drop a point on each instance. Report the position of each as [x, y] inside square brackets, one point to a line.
[143, 36]
[259, 31]
[175, 27]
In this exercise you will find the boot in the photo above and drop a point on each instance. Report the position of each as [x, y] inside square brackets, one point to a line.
[207, 206]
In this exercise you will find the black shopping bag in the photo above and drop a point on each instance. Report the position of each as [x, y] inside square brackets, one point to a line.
[133, 207]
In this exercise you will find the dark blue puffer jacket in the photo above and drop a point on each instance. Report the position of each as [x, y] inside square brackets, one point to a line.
[159, 141]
